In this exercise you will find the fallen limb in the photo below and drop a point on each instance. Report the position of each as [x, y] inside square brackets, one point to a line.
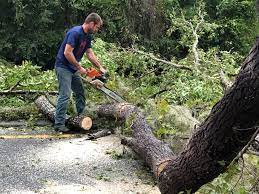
[98, 134]
[26, 92]
[78, 122]
[153, 151]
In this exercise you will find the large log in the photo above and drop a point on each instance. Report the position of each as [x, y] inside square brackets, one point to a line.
[153, 151]
[78, 122]
[217, 141]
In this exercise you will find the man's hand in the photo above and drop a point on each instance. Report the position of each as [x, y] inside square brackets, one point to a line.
[103, 70]
[82, 70]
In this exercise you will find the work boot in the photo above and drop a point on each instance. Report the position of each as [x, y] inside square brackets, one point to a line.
[62, 129]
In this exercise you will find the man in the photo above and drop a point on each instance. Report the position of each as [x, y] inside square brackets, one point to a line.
[68, 69]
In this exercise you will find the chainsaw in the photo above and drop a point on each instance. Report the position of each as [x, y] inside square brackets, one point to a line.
[98, 80]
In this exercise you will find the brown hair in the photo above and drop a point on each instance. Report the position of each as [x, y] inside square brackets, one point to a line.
[94, 17]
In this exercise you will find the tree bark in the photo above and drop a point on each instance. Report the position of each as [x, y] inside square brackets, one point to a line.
[153, 151]
[217, 141]
[78, 122]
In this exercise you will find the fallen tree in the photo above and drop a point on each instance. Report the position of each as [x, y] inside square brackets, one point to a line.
[215, 143]
[78, 122]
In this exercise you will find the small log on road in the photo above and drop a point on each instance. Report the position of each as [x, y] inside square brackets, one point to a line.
[78, 122]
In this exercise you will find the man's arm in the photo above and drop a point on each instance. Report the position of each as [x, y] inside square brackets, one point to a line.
[93, 59]
[71, 58]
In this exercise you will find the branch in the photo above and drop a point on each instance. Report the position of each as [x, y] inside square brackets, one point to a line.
[195, 34]
[25, 92]
[241, 175]
[14, 86]
[240, 154]
[161, 60]
[159, 92]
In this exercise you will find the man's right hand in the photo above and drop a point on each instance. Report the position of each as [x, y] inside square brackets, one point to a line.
[103, 70]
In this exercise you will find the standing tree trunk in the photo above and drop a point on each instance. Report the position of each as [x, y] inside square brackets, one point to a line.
[217, 141]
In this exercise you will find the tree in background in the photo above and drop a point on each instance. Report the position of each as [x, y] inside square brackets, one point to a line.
[32, 30]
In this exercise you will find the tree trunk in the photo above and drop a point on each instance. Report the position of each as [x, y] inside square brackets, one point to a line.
[145, 18]
[78, 122]
[213, 146]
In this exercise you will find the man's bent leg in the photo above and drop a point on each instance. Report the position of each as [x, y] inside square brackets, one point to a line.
[79, 93]
[64, 80]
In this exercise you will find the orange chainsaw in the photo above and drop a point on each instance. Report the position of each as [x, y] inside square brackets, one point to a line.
[97, 79]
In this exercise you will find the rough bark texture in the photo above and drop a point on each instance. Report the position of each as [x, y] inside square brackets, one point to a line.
[221, 136]
[79, 122]
[213, 146]
[153, 151]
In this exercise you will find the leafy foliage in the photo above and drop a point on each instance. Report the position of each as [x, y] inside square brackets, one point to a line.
[31, 31]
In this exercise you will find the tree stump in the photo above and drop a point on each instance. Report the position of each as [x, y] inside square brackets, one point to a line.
[78, 122]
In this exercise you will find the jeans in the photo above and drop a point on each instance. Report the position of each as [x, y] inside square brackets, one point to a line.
[68, 82]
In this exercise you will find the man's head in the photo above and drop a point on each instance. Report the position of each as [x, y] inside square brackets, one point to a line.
[93, 22]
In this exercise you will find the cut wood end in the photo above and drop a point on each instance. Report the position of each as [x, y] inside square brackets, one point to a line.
[86, 123]
[124, 106]
[161, 166]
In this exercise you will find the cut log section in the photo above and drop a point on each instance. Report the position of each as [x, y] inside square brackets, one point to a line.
[78, 122]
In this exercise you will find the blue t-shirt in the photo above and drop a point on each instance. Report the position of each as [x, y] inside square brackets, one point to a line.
[80, 41]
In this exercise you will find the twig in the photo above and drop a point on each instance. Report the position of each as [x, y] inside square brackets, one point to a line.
[240, 154]
[241, 175]
[159, 92]
[195, 30]
[14, 86]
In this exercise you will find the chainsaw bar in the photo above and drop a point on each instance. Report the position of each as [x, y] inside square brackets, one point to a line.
[111, 94]
[100, 86]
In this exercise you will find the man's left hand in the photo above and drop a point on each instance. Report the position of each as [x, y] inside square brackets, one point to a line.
[103, 70]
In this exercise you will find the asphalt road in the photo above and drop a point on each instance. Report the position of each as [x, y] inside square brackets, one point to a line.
[71, 165]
